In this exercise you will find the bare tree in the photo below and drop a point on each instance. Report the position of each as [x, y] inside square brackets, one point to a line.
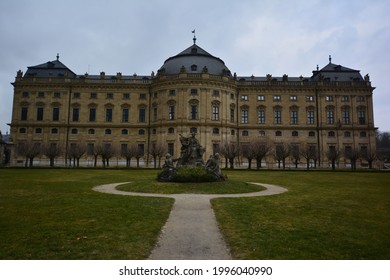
[106, 151]
[230, 151]
[261, 150]
[157, 151]
[140, 153]
[129, 153]
[308, 152]
[369, 155]
[353, 155]
[282, 151]
[75, 152]
[29, 150]
[333, 154]
[247, 151]
[295, 154]
[52, 151]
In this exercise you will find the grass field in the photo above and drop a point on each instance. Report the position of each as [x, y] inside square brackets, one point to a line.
[324, 215]
[54, 214]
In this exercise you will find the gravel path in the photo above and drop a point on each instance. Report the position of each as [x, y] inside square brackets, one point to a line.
[191, 232]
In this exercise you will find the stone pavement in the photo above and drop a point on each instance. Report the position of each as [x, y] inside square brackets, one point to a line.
[191, 232]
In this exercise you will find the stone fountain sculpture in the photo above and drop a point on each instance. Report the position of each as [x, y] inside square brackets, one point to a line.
[191, 156]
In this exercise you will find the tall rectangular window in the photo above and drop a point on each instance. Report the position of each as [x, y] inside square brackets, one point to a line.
[141, 150]
[108, 114]
[171, 148]
[125, 115]
[261, 116]
[142, 115]
[123, 148]
[171, 112]
[277, 117]
[155, 111]
[39, 114]
[232, 113]
[194, 112]
[244, 116]
[92, 114]
[24, 114]
[56, 114]
[362, 117]
[215, 116]
[294, 117]
[329, 117]
[345, 116]
[310, 117]
[75, 114]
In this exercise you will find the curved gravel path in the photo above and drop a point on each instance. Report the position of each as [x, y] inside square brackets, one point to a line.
[191, 231]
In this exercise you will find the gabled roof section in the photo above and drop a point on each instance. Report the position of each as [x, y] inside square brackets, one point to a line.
[53, 69]
[337, 72]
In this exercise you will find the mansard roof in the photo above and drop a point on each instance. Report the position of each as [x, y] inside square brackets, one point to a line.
[52, 69]
[335, 72]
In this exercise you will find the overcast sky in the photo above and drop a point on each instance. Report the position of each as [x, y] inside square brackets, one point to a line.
[252, 37]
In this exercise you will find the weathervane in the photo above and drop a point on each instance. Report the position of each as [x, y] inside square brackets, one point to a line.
[193, 31]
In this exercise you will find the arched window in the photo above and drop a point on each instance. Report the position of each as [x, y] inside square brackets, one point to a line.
[331, 134]
[54, 131]
[245, 133]
[312, 134]
[347, 134]
[262, 133]
[91, 131]
[171, 130]
[74, 131]
[125, 132]
[107, 131]
[141, 132]
[278, 133]
[215, 130]
[294, 133]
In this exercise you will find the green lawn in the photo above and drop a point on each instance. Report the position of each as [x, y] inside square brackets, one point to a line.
[324, 215]
[54, 214]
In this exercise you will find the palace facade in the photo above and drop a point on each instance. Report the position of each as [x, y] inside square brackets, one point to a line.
[57, 112]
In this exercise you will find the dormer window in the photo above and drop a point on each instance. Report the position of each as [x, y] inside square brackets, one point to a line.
[194, 67]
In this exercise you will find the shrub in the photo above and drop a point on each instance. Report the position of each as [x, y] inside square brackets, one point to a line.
[192, 174]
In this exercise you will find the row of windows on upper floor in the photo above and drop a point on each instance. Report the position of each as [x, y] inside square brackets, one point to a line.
[309, 98]
[215, 115]
[215, 131]
[94, 95]
[215, 93]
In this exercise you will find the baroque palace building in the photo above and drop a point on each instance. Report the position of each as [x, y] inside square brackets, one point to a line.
[193, 91]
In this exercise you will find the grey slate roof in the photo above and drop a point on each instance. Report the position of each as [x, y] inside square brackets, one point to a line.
[335, 72]
[194, 60]
[53, 69]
